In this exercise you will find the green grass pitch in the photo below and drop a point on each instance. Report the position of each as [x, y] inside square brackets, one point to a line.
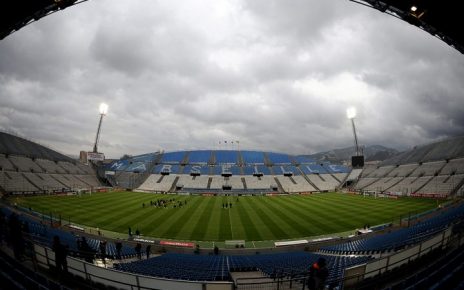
[251, 218]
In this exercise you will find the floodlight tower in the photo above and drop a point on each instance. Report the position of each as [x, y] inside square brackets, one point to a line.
[357, 161]
[103, 111]
[351, 114]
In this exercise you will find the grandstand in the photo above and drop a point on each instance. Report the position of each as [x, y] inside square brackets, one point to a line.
[239, 172]
[27, 167]
[422, 170]
[430, 170]
[226, 171]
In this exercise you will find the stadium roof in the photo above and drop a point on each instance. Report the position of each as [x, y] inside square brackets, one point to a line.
[10, 144]
[447, 149]
[440, 18]
[18, 14]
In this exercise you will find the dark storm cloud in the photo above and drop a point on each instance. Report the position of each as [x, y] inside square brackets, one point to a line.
[187, 74]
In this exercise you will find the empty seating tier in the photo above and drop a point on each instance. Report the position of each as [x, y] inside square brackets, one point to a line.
[218, 268]
[229, 170]
[402, 237]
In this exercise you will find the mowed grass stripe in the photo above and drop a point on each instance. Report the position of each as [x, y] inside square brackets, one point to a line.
[98, 200]
[251, 229]
[198, 231]
[271, 223]
[373, 212]
[238, 228]
[156, 222]
[150, 226]
[304, 212]
[84, 211]
[252, 218]
[317, 219]
[353, 214]
[377, 211]
[291, 226]
[213, 225]
[224, 224]
[110, 215]
[58, 207]
[298, 218]
[357, 214]
[119, 209]
[171, 227]
[162, 218]
[343, 215]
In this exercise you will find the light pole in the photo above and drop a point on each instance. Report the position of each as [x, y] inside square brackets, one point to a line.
[103, 111]
[357, 161]
[351, 114]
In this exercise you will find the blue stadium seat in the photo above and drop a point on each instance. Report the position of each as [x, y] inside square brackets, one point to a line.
[199, 157]
[313, 169]
[171, 168]
[280, 170]
[136, 163]
[403, 237]
[220, 169]
[250, 170]
[278, 158]
[335, 168]
[303, 160]
[202, 169]
[226, 156]
[252, 157]
[218, 268]
[173, 157]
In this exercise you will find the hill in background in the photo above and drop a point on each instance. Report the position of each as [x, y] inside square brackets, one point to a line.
[371, 153]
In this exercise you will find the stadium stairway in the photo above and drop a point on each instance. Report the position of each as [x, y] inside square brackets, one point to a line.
[369, 184]
[185, 159]
[394, 184]
[279, 185]
[423, 185]
[307, 179]
[342, 182]
[334, 177]
[267, 161]
[32, 182]
[292, 180]
[240, 160]
[174, 184]
[456, 189]
[376, 178]
[244, 183]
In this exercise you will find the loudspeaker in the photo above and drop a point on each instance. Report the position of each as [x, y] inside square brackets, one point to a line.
[357, 161]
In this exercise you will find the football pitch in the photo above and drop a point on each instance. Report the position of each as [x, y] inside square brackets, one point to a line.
[206, 218]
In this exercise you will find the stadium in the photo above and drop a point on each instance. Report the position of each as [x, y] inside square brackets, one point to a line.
[231, 218]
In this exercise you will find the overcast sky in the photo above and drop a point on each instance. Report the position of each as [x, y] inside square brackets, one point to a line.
[184, 74]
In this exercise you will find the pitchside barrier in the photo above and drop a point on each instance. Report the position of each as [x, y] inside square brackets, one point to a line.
[234, 243]
[291, 243]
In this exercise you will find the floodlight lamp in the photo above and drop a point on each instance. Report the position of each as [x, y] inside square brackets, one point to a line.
[351, 112]
[413, 8]
[103, 109]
